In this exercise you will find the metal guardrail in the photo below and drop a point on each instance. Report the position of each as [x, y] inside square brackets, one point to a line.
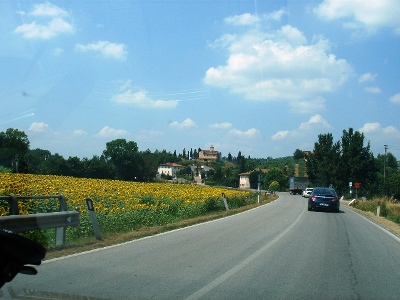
[58, 220]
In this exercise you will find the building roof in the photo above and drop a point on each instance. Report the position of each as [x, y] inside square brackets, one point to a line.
[172, 165]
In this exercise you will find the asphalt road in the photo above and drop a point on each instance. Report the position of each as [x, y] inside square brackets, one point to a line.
[276, 251]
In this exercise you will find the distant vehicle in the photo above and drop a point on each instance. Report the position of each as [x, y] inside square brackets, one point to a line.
[297, 184]
[323, 198]
[307, 192]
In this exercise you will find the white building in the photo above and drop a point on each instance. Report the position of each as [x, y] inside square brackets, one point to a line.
[244, 180]
[169, 169]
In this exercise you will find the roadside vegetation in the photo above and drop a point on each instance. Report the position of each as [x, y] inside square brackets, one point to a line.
[122, 180]
[389, 207]
[121, 206]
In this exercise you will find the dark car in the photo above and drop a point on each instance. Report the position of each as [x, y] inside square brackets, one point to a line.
[323, 198]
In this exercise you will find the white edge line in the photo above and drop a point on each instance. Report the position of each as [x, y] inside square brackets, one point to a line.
[376, 225]
[151, 236]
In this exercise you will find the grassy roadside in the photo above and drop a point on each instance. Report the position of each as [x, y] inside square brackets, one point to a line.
[88, 244]
[391, 226]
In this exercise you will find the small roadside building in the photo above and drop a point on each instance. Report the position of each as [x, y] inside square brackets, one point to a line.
[244, 180]
[169, 169]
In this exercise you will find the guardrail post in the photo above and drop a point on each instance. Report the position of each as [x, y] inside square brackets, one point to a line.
[13, 202]
[378, 209]
[225, 202]
[93, 219]
[61, 231]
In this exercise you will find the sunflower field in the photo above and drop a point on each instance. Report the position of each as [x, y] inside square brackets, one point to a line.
[120, 206]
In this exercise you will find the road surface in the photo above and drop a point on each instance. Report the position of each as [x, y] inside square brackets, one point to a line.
[276, 251]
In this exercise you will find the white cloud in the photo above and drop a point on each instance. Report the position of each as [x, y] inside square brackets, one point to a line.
[370, 15]
[308, 106]
[224, 125]
[55, 26]
[315, 124]
[378, 135]
[370, 127]
[373, 90]
[367, 77]
[188, 123]
[316, 121]
[250, 133]
[244, 19]
[278, 65]
[39, 127]
[109, 132]
[395, 99]
[276, 15]
[47, 10]
[141, 99]
[105, 48]
[79, 132]
[280, 135]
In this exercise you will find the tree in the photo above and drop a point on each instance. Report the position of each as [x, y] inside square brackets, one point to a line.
[275, 174]
[125, 159]
[322, 163]
[14, 145]
[274, 186]
[98, 167]
[241, 162]
[357, 163]
[298, 154]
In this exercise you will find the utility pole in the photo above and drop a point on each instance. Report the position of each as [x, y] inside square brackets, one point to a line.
[384, 170]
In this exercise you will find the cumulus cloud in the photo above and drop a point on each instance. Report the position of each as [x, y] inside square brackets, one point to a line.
[109, 132]
[105, 48]
[309, 106]
[315, 124]
[367, 77]
[53, 22]
[79, 132]
[370, 15]
[244, 19]
[139, 98]
[378, 134]
[395, 99]
[277, 65]
[280, 135]
[224, 125]
[39, 127]
[250, 133]
[373, 90]
[188, 123]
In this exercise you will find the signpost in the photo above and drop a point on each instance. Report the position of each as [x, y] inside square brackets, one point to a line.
[357, 186]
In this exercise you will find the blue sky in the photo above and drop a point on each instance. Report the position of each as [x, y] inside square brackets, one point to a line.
[260, 77]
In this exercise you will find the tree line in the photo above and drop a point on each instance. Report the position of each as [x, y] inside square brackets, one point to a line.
[329, 163]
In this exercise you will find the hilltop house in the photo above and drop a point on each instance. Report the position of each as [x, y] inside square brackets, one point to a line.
[209, 155]
[169, 169]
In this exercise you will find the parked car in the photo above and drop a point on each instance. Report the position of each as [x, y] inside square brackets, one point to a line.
[306, 193]
[323, 198]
